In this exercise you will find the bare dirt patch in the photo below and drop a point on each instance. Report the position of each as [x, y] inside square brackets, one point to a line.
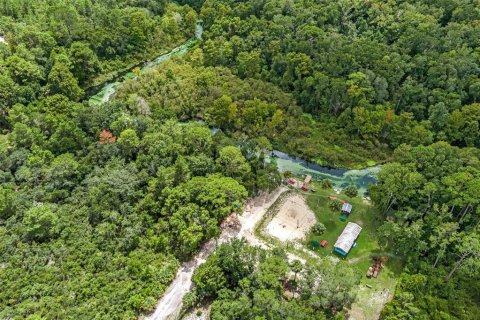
[293, 219]
[201, 313]
[370, 303]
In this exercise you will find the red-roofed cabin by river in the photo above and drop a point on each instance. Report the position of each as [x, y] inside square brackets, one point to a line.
[292, 181]
[305, 187]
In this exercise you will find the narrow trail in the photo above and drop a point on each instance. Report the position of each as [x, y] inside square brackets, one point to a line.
[170, 304]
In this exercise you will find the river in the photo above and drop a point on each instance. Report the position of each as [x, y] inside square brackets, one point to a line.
[340, 178]
[109, 89]
[170, 303]
[299, 167]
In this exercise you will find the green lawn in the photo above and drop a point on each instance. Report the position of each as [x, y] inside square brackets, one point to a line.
[369, 300]
[362, 213]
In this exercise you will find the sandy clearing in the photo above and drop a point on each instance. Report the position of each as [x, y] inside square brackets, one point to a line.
[293, 220]
[373, 300]
[201, 313]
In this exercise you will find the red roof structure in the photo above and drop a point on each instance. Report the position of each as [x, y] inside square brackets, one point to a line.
[305, 187]
[323, 243]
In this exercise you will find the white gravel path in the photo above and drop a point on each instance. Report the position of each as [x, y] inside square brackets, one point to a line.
[170, 304]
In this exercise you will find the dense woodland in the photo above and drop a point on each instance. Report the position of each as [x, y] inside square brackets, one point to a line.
[429, 199]
[65, 46]
[99, 205]
[387, 73]
[247, 282]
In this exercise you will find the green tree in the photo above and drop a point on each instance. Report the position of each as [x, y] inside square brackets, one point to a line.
[62, 81]
[351, 191]
[438, 115]
[40, 223]
[232, 163]
[335, 205]
[24, 137]
[209, 278]
[84, 61]
[7, 205]
[128, 142]
[223, 113]
[318, 228]
[248, 64]
[182, 171]
[296, 267]
[271, 273]
[24, 72]
[468, 250]
[63, 172]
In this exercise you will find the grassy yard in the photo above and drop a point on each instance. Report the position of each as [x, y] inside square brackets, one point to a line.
[362, 213]
[369, 300]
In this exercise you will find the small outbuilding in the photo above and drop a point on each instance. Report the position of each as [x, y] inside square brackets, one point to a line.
[346, 208]
[347, 239]
[308, 178]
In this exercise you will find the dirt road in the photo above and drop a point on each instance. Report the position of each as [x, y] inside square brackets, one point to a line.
[170, 304]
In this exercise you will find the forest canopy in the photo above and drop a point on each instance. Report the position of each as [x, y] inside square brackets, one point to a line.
[100, 204]
[385, 72]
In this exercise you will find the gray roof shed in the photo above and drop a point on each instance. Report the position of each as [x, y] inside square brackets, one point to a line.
[347, 207]
[348, 237]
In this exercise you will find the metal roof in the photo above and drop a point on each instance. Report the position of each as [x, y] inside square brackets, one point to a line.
[347, 207]
[348, 237]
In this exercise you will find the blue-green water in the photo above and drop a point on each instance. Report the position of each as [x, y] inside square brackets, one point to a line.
[109, 89]
[299, 167]
[341, 178]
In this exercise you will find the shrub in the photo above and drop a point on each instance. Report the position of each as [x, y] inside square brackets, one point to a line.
[287, 174]
[351, 191]
[190, 299]
[327, 184]
[318, 228]
[335, 205]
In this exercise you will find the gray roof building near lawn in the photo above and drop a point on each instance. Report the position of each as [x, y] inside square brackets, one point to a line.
[348, 237]
[347, 207]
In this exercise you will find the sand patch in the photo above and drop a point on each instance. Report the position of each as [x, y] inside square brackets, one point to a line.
[293, 220]
[369, 304]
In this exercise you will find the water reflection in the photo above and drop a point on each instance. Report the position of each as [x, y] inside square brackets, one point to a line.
[340, 178]
[109, 89]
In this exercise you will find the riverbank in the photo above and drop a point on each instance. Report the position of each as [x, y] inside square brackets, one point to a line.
[340, 178]
[137, 61]
[102, 92]
[322, 141]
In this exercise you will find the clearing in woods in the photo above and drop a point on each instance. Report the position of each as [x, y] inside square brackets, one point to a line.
[370, 301]
[293, 220]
